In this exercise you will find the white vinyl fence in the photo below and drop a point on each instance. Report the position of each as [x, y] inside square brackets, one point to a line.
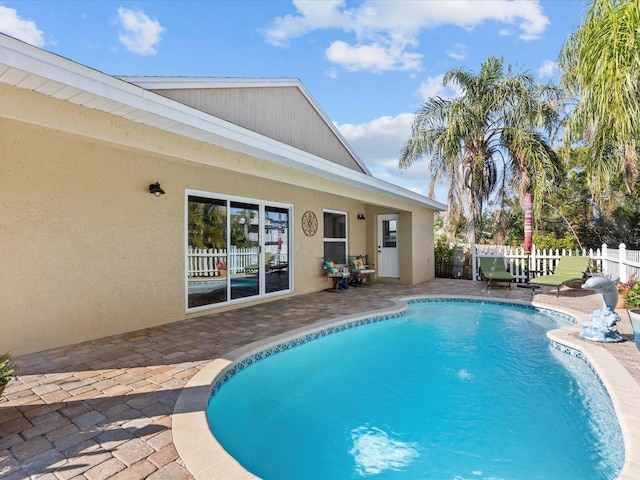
[617, 263]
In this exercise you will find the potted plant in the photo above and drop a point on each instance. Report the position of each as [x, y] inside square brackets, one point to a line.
[623, 288]
[222, 269]
[631, 297]
[7, 371]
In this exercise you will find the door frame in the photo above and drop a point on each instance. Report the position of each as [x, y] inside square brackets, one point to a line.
[387, 267]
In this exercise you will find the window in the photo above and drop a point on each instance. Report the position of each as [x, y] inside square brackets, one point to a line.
[389, 233]
[235, 249]
[335, 236]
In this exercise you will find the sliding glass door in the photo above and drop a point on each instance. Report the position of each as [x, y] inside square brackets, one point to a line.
[236, 249]
[276, 232]
[206, 251]
[244, 250]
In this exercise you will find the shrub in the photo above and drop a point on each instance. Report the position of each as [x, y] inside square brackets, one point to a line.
[7, 370]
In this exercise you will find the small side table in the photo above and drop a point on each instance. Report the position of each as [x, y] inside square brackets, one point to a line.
[526, 283]
[338, 280]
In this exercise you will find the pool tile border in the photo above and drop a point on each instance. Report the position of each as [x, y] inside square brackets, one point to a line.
[280, 347]
[206, 459]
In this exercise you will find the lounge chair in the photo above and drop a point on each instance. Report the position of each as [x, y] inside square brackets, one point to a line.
[360, 270]
[568, 270]
[492, 269]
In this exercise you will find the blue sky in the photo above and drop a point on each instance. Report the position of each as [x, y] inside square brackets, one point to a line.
[367, 63]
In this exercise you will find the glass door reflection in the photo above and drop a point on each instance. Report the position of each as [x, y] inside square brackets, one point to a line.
[206, 251]
[276, 246]
[245, 269]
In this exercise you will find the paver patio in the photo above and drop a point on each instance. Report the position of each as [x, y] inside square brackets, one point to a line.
[102, 409]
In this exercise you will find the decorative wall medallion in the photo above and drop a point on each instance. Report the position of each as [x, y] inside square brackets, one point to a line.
[309, 223]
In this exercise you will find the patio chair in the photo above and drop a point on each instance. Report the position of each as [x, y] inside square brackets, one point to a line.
[492, 269]
[567, 271]
[361, 271]
[338, 275]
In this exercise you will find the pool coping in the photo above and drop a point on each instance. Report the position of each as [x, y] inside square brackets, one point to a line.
[206, 459]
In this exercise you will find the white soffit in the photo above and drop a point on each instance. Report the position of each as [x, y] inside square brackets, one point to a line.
[25, 66]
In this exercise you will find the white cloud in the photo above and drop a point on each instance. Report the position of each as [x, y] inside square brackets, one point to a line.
[25, 30]
[433, 87]
[375, 57]
[458, 51]
[379, 144]
[385, 130]
[332, 72]
[533, 23]
[384, 32]
[313, 15]
[141, 34]
[548, 69]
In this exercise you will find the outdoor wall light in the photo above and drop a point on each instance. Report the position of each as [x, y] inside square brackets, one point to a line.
[361, 216]
[156, 189]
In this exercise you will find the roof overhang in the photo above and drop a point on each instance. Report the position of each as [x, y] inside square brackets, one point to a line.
[25, 66]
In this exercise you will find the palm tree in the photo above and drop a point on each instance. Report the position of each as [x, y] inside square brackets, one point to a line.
[601, 64]
[491, 137]
[207, 225]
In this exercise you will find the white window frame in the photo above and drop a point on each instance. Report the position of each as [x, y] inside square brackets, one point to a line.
[344, 240]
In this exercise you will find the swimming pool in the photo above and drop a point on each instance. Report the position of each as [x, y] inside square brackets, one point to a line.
[426, 399]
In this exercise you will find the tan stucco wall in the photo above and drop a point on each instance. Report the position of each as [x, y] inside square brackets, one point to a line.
[415, 244]
[423, 254]
[88, 252]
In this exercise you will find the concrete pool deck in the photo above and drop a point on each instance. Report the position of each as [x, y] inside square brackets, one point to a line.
[104, 409]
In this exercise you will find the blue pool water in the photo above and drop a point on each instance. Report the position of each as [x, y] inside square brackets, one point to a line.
[451, 390]
[207, 286]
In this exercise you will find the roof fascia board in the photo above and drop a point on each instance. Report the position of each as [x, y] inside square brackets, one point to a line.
[178, 83]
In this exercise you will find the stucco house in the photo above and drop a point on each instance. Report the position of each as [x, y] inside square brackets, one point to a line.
[131, 202]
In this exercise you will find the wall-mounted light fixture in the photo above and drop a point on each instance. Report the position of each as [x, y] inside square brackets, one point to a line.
[361, 216]
[156, 189]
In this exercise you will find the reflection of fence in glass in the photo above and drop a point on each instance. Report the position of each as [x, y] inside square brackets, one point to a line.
[203, 262]
[206, 262]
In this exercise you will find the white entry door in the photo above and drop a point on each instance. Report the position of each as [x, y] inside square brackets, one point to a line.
[388, 264]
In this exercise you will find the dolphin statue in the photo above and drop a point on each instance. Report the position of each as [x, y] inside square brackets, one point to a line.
[601, 322]
[606, 287]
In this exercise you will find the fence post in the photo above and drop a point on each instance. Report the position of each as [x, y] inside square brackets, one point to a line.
[622, 257]
[474, 259]
[533, 262]
[604, 255]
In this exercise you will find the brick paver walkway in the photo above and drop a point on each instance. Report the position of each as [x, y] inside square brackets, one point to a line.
[102, 409]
